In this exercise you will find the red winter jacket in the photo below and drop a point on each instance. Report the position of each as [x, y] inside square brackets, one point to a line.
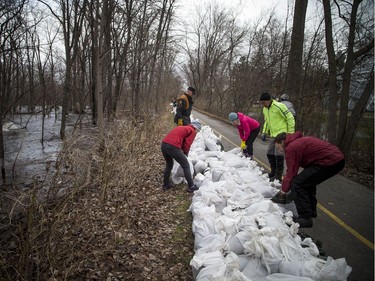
[181, 137]
[247, 124]
[303, 151]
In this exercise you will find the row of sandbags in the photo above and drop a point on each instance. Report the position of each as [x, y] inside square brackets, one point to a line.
[240, 234]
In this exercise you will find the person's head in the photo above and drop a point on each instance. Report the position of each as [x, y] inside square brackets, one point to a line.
[197, 125]
[190, 91]
[233, 117]
[279, 141]
[284, 97]
[265, 99]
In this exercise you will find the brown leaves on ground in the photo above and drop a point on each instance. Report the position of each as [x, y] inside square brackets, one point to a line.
[113, 222]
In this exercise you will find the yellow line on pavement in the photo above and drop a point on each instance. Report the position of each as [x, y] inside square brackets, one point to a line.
[347, 227]
[322, 208]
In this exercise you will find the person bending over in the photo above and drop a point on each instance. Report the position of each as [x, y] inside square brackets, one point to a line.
[248, 129]
[176, 145]
[320, 161]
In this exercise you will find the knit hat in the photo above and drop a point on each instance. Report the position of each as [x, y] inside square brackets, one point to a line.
[265, 96]
[196, 124]
[191, 89]
[233, 116]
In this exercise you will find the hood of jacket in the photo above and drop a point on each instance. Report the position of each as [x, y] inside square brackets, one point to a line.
[291, 137]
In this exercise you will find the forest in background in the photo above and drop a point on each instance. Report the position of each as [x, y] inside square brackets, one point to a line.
[108, 57]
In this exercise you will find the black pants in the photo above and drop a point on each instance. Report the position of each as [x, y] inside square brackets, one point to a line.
[171, 152]
[304, 184]
[250, 141]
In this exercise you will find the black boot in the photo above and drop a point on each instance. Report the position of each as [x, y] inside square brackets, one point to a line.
[272, 161]
[279, 164]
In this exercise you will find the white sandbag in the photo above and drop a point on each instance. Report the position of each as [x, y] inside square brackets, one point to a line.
[206, 259]
[214, 154]
[226, 224]
[234, 151]
[264, 188]
[334, 270]
[271, 220]
[243, 199]
[286, 277]
[235, 245]
[247, 175]
[216, 173]
[267, 248]
[255, 270]
[212, 243]
[198, 179]
[309, 246]
[211, 145]
[200, 166]
[178, 173]
[214, 163]
[265, 206]
[243, 259]
[305, 268]
[210, 197]
[204, 223]
[219, 268]
[235, 162]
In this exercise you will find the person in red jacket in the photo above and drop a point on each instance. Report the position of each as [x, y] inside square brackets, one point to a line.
[320, 161]
[176, 145]
[248, 129]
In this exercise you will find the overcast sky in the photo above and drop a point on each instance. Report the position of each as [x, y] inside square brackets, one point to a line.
[249, 10]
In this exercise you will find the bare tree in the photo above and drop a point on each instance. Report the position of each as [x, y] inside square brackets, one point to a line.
[72, 14]
[217, 36]
[356, 51]
[11, 28]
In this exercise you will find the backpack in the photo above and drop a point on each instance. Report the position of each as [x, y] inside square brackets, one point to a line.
[184, 97]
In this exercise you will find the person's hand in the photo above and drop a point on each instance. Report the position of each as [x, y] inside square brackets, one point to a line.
[180, 122]
[279, 198]
[243, 145]
[264, 137]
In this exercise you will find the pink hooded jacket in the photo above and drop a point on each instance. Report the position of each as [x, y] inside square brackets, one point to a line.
[247, 124]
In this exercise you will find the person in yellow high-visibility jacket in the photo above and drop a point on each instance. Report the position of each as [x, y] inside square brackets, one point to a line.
[277, 119]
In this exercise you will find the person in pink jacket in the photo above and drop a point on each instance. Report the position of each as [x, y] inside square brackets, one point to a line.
[248, 129]
[319, 159]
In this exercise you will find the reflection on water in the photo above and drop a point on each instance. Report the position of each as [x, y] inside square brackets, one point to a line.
[26, 158]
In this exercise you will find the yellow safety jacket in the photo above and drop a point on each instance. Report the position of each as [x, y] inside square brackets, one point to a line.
[277, 119]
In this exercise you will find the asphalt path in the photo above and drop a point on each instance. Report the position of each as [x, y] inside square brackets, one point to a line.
[345, 222]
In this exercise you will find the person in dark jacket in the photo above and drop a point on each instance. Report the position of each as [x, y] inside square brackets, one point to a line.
[184, 107]
[320, 161]
[176, 145]
[248, 129]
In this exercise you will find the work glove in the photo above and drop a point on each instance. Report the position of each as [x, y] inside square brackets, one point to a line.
[243, 144]
[263, 137]
[283, 198]
[180, 122]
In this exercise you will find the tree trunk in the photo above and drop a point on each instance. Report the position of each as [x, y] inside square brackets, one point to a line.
[355, 118]
[347, 76]
[294, 71]
[332, 82]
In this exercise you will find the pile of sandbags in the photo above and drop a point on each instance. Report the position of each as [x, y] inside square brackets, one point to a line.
[240, 234]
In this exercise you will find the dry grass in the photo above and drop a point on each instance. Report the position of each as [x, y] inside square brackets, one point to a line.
[104, 216]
